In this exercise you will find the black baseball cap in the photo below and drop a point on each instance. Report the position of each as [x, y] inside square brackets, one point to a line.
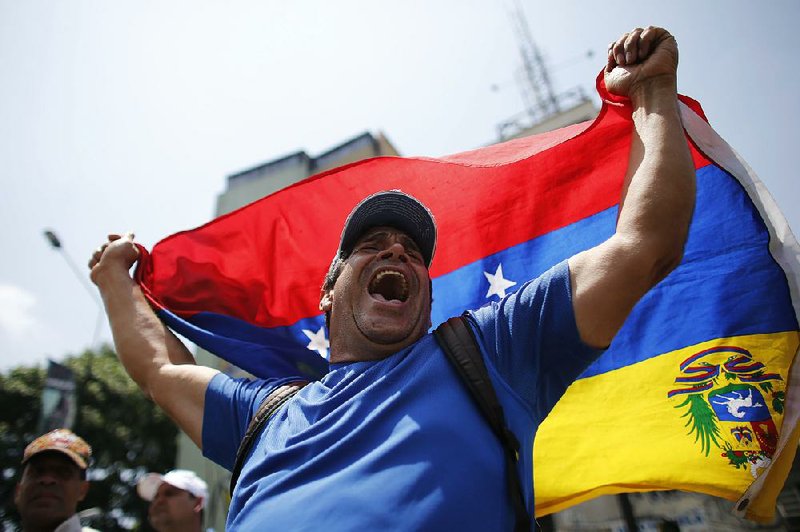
[391, 208]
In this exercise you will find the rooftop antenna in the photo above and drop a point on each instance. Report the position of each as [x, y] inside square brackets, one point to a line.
[535, 86]
[543, 108]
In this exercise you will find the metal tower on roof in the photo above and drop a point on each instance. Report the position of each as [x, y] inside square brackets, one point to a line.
[544, 109]
[533, 77]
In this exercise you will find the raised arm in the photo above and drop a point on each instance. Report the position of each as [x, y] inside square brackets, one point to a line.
[658, 194]
[153, 357]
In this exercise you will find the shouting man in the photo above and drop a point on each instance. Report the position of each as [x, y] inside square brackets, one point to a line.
[390, 438]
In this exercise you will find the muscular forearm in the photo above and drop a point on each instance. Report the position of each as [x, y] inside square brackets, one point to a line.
[144, 345]
[658, 199]
[658, 196]
[158, 362]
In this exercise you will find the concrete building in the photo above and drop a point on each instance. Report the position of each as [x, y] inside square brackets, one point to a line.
[565, 109]
[249, 185]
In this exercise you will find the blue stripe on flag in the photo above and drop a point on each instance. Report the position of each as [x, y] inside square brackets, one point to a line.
[268, 352]
[706, 297]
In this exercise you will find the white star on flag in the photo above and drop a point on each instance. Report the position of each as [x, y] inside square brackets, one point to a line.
[318, 342]
[497, 284]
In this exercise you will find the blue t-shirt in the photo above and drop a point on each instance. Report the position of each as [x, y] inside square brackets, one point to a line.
[398, 443]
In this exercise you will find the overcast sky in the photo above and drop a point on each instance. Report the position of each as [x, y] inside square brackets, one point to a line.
[127, 115]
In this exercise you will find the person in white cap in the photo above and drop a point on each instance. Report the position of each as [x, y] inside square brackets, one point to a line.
[389, 438]
[176, 500]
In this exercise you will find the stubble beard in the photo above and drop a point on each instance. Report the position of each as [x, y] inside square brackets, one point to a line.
[397, 331]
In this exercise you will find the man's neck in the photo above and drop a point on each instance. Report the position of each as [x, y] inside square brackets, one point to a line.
[343, 351]
[193, 526]
[347, 357]
[72, 524]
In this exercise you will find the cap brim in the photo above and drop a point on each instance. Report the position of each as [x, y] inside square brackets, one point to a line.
[75, 457]
[147, 487]
[392, 209]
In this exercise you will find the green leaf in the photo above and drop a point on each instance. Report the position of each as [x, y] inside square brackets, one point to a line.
[702, 422]
[778, 399]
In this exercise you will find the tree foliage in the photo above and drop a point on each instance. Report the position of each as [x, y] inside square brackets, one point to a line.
[129, 435]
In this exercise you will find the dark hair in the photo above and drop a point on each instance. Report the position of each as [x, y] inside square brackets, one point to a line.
[333, 274]
[334, 271]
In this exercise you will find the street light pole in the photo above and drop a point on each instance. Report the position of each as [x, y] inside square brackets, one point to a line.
[56, 244]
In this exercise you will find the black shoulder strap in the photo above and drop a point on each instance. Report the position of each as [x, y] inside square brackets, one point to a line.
[268, 407]
[458, 342]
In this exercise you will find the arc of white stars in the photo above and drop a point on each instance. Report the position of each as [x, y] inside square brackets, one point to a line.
[497, 283]
[318, 342]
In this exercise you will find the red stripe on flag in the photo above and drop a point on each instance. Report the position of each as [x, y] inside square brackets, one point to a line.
[265, 262]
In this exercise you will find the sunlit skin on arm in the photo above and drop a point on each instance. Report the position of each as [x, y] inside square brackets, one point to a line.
[154, 358]
[658, 195]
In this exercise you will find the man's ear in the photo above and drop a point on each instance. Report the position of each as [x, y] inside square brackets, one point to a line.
[84, 489]
[198, 506]
[326, 302]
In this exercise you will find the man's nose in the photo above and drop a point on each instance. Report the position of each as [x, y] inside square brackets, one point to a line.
[395, 251]
[48, 477]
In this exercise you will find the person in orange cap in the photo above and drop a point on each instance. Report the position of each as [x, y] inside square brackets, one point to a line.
[53, 482]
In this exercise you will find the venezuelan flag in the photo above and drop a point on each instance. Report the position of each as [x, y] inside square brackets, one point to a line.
[693, 394]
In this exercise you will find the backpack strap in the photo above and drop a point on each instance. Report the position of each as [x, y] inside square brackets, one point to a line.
[268, 407]
[458, 342]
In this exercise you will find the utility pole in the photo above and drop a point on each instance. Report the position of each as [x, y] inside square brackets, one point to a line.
[56, 244]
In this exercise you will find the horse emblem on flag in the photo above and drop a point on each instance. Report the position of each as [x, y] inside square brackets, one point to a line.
[731, 402]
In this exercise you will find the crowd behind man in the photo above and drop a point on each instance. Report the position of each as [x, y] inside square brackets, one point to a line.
[53, 482]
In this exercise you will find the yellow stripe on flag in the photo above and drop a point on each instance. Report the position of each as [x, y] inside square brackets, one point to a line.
[620, 432]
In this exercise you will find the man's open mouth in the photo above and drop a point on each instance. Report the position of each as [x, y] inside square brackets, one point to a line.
[46, 496]
[389, 285]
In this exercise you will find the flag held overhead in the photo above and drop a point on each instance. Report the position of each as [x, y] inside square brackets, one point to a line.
[695, 392]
